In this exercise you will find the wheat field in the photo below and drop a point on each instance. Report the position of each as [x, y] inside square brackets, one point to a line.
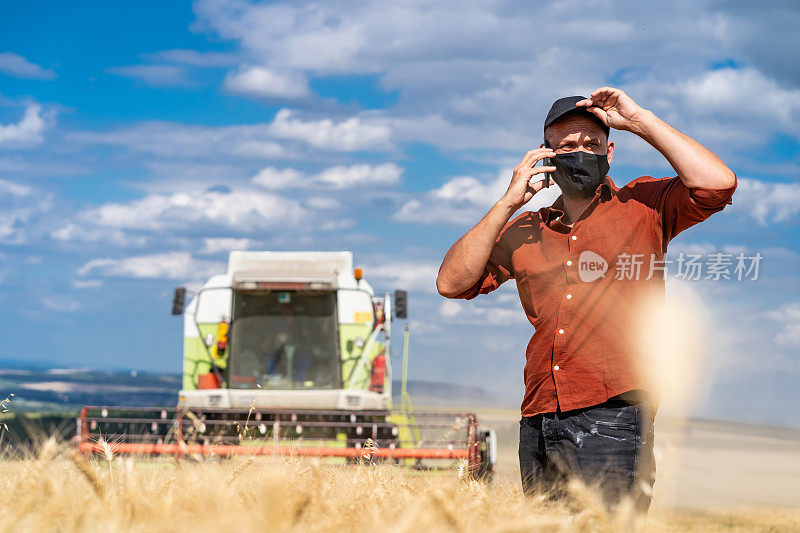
[58, 490]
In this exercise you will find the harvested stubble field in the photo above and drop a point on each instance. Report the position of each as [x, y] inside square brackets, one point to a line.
[59, 491]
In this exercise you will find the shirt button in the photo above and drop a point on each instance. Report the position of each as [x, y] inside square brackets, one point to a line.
[569, 263]
[569, 297]
[555, 367]
[561, 332]
[574, 237]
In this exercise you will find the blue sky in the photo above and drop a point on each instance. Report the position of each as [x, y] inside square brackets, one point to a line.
[140, 141]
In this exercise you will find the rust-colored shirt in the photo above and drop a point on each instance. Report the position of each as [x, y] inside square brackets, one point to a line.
[580, 289]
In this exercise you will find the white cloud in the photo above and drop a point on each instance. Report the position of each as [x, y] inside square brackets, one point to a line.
[155, 75]
[767, 202]
[707, 248]
[449, 134]
[87, 283]
[469, 190]
[338, 177]
[240, 208]
[225, 244]
[481, 312]
[169, 175]
[171, 140]
[28, 132]
[77, 232]
[51, 164]
[450, 308]
[730, 92]
[341, 177]
[337, 224]
[323, 203]
[693, 248]
[169, 265]
[502, 316]
[21, 207]
[283, 137]
[17, 66]
[464, 199]
[406, 275]
[14, 189]
[788, 316]
[12, 226]
[350, 134]
[172, 218]
[60, 304]
[262, 82]
[263, 149]
[280, 178]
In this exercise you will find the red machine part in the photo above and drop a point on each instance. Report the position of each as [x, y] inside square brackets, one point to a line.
[163, 431]
[209, 380]
[378, 373]
[233, 449]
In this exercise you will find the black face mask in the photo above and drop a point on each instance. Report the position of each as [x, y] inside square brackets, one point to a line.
[578, 174]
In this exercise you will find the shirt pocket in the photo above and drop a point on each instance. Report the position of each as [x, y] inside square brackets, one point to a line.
[637, 234]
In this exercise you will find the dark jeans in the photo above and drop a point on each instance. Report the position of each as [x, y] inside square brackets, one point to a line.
[609, 446]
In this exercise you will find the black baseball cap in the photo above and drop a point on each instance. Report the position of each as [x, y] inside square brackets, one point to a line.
[565, 106]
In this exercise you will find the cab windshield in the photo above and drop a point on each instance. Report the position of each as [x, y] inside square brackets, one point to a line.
[283, 340]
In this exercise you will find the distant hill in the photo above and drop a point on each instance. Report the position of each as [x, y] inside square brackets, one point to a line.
[38, 389]
[68, 389]
[436, 393]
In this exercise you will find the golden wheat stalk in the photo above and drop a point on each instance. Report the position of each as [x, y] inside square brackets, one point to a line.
[243, 431]
[48, 450]
[240, 468]
[5, 403]
[88, 473]
[4, 408]
[108, 453]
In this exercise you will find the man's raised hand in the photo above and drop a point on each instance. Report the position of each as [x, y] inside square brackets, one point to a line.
[521, 190]
[615, 108]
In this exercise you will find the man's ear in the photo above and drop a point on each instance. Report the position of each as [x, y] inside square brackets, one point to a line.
[610, 153]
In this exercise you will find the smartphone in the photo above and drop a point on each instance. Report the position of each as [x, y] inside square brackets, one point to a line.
[546, 163]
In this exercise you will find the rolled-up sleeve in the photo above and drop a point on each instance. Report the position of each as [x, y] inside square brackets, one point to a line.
[497, 271]
[682, 207]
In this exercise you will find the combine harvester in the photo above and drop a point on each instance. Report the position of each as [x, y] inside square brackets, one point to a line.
[288, 353]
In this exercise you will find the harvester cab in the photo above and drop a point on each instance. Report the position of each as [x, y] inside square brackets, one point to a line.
[287, 330]
[289, 353]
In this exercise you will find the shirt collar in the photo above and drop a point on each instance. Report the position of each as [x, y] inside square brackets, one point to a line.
[607, 189]
[605, 192]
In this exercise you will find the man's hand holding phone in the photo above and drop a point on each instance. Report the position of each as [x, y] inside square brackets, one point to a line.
[522, 186]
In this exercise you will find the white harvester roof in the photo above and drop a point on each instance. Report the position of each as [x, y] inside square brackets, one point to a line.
[334, 268]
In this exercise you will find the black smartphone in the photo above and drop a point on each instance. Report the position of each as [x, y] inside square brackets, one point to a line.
[546, 163]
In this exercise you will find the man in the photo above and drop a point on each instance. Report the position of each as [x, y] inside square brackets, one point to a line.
[588, 410]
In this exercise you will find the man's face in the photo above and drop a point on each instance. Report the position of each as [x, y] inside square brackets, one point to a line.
[579, 133]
